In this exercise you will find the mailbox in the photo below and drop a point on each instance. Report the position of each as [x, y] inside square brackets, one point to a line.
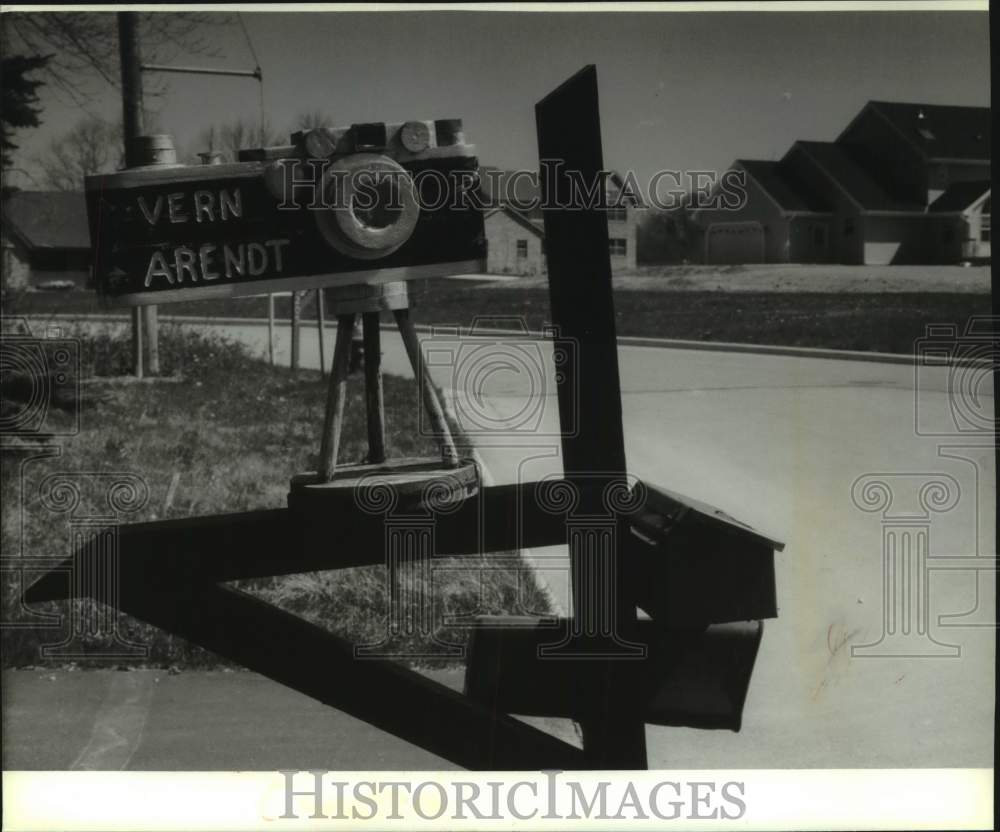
[694, 564]
[369, 203]
[692, 677]
[704, 580]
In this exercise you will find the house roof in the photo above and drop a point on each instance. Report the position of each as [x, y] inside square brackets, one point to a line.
[787, 193]
[48, 219]
[838, 164]
[508, 187]
[521, 190]
[959, 196]
[634, 199]
[941, 131]
[535, 226]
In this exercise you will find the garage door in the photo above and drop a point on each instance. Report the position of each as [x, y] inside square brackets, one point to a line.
[734, 242]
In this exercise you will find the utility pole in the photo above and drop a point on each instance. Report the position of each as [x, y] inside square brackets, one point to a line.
[131, 75]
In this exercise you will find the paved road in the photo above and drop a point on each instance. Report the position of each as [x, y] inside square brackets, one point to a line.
[149, 720]
[778, 441]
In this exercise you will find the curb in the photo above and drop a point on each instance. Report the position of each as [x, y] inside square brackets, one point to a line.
[767, 349]
[623, 341]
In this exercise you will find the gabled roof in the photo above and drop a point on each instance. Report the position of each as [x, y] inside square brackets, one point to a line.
[959, 196]
[48, 219]
[787, 193]
[508, 187]
[536, 227]
[941, 131]
[839, 166]
[634, 199]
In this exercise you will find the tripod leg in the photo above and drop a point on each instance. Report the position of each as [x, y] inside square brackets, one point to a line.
[434, 410]
[373, 387]
[320, 327]
[333, 421]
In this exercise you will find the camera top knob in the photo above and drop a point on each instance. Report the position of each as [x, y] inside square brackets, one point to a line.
[153, 150]
[415, 136]
[319, 143]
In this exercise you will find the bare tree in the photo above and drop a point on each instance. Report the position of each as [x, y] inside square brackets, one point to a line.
[238, 134]
[205, 140]
[92, 146]
[233, 136]
[315, 118]
[84, 45]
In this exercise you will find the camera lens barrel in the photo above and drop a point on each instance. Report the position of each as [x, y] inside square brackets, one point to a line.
[375, 207]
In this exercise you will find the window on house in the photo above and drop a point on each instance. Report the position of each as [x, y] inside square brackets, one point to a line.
[617, 214]
[848, 226]
[522, 249]
[618, 246]
[819, 236]
[984, 228]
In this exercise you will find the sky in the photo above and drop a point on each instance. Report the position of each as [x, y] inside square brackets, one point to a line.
[679, 91]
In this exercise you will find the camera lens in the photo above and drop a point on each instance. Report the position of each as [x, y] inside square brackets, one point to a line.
[380, 206]
[375, 206]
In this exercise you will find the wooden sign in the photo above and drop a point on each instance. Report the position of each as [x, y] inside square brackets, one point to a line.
[172, 233]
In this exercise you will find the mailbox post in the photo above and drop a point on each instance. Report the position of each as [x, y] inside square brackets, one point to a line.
[593, 443]
[703, 579]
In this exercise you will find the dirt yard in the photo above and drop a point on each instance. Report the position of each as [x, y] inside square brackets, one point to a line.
[788, 277]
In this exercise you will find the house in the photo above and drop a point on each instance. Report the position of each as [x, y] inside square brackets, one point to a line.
[45, 240]
[515, 232]
[968, 204]
[903, 183]
[515, 242]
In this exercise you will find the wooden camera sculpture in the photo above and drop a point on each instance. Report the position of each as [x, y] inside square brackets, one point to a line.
[704, 580]
[339, 208]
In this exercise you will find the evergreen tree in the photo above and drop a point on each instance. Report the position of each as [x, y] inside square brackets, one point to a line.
[20, 99]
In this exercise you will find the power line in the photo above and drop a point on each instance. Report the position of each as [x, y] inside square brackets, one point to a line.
[246, 33]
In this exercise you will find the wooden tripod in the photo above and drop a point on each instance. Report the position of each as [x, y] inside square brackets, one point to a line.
[369, 301]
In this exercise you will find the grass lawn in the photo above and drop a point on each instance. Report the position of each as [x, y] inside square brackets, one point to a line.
[224, 436]
[879, 322]
[887, 321]
[834, 278]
